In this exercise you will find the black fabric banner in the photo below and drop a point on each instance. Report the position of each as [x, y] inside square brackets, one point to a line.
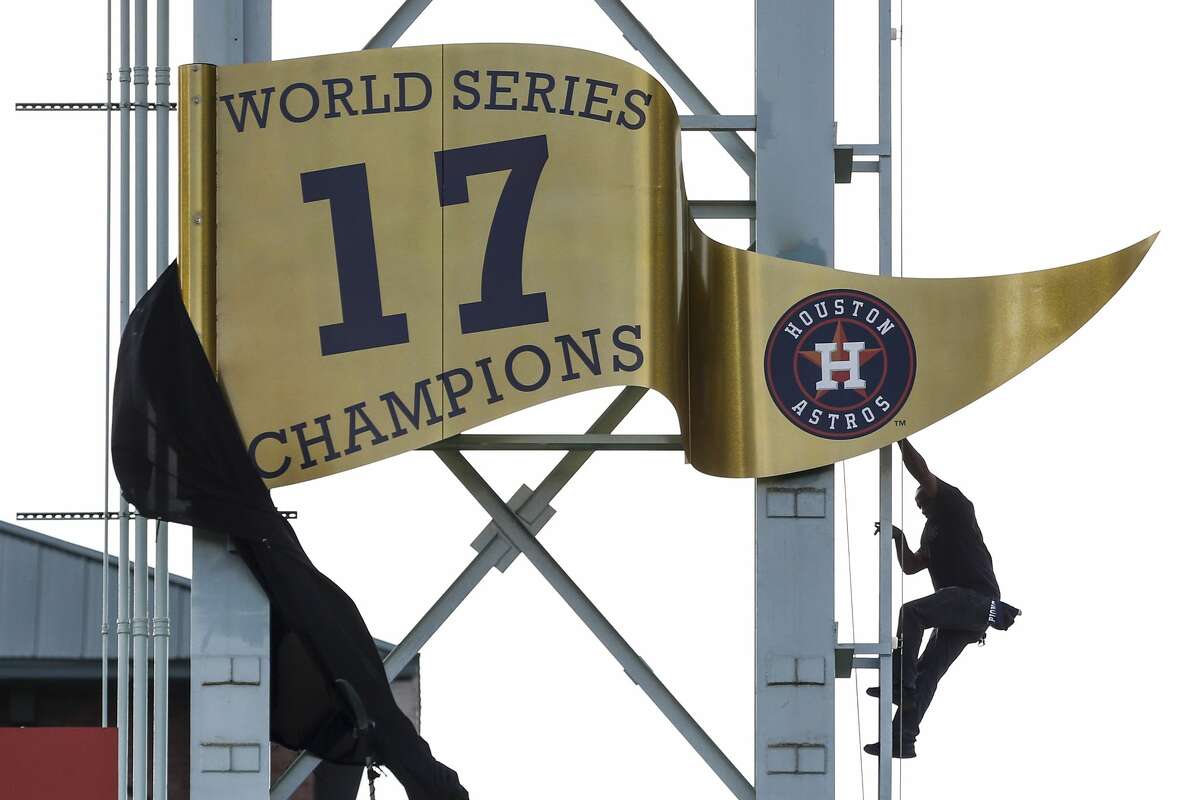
[178, 456]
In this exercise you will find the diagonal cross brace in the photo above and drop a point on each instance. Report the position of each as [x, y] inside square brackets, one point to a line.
[638, 37]
[518, 534]
[492, 555]
[641, 40]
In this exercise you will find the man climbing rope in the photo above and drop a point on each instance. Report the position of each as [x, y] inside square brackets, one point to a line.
[965, 601]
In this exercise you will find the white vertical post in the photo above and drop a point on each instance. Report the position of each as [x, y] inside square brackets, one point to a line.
[104, 576]
[794, 534]
[140, 628]
[160, 631]
[123, 527]
[885, 455]
[230, 630]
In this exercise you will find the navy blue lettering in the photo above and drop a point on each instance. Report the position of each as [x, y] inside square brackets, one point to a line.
[420, 395]
[279, 436]
[402, 79]
[502, 301]
[571, 81]
[355, 413]
[595, 100]
[325, 438]
[369, 88]
[453, 394]
[363, 324]
[339, 90]
[629, 347]
[484, 365]
[568, 344]
[463, 87]
[543, 376]
[497, 90]
[536, 91]
[639, 113]
[249, 102]
[313, 99]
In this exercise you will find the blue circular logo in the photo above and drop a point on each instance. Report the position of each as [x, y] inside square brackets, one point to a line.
[840, 364]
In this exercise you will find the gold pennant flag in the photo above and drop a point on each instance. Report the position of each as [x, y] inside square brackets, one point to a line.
[386, 248]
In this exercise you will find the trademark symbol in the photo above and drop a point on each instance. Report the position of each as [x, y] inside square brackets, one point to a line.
[900, 423]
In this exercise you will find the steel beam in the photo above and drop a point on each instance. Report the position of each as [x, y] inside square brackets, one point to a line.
[723, 209]
[516, 531]
[399, 22]
[717, 122]
[558, 441]
[636, 34]
[794, 555]
[230, 751]
[489, 557]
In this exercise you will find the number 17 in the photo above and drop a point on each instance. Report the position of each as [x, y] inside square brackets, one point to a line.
[502, 301]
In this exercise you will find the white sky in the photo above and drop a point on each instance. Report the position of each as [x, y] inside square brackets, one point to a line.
[1038, 134]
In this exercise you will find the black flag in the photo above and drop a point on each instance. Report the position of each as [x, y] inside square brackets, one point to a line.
[178, 456]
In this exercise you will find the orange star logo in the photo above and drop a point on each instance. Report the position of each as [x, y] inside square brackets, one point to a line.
[839, 338]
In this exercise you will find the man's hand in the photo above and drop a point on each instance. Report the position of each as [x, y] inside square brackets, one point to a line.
[916, 466]
[896, 532]
[910, 562]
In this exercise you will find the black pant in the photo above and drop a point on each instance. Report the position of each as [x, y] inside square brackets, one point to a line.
[959, 617]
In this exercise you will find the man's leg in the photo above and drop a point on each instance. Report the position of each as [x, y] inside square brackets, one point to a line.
[945, 645]
[950, 608]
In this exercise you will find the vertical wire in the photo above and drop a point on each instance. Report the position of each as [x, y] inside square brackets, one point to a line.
[862, 781]
[900, 252]
[107, 363]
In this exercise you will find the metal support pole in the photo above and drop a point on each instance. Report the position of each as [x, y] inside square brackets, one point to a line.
[469, 578]
[161, 628]
[794, 539]
[104, 576]
[230, 752]
[517, 533]
[885, 455]
[123, 527]
[140, 627]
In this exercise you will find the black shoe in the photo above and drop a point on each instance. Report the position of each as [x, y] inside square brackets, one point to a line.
[906, 750]
[904, 694]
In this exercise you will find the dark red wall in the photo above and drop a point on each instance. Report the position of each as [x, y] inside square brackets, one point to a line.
[79, 763]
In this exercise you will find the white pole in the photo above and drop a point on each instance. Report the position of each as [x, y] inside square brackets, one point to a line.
[230, 613]
[107, 351]
[886, 666]
[161, 630]
[140, 627]
[123, 528]
[161, 633]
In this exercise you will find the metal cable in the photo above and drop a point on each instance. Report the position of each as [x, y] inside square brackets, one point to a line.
[900, 253]
[862, 782]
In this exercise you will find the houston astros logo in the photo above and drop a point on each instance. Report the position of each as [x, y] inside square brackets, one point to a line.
[840, 364]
